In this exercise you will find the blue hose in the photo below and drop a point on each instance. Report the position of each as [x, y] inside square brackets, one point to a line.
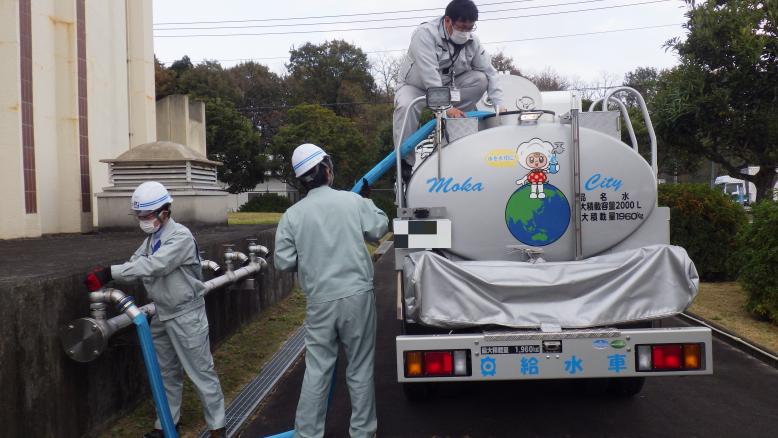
[155, 377]
[389, 162]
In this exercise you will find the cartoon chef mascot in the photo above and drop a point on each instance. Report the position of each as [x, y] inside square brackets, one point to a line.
[539, 157]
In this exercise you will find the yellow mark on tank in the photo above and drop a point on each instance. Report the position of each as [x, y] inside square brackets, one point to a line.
[501, 158]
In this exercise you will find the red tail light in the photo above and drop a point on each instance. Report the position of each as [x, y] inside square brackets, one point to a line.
[438, 363]
[667, 357]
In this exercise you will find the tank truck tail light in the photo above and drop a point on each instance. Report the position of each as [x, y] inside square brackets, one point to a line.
[670, 357]
[437, 363]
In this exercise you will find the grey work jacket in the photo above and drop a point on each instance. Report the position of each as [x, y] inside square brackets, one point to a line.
[322, 237]
[171, 275]
[430, 54]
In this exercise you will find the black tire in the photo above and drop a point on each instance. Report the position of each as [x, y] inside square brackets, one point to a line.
[418, 392]
[626, 387]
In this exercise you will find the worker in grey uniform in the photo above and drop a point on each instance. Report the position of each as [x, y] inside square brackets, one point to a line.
[168, 264]
[444, 52]
[322, 237]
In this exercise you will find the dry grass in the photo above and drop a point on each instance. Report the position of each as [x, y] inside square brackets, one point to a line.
[253, 218]
[238, 360]
[724, 304]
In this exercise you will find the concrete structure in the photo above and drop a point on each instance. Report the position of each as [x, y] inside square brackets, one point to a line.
[76, 86]
[182, 121]
[189, 176]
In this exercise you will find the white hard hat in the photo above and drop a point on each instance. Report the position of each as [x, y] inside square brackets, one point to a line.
[305, 157]
[150, 196]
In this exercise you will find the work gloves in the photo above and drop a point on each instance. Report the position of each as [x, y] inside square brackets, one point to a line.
[365, 190]
[97, 277]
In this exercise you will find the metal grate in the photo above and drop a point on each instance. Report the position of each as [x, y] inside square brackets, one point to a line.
[252, 394]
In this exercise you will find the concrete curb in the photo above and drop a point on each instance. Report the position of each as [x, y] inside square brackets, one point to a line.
[730, 338]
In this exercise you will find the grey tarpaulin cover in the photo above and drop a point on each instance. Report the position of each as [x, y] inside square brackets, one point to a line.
[646, 283]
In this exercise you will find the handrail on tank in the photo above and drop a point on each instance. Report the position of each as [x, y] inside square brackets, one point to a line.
[625, 114]
[646, 119]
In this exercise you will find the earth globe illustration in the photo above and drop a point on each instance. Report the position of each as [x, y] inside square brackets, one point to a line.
[537, 222]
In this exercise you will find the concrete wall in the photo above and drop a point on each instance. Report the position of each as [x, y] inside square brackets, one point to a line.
[45, 394]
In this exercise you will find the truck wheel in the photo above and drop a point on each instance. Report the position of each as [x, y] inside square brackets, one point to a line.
[418, 392]
[626, 387]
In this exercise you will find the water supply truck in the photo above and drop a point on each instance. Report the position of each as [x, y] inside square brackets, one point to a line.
[529, 245]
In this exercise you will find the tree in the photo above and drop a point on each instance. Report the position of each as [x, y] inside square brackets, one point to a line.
[643, 79]
[165, 80]
[232, 140]
[721, 102]
[334, 72]
[549, 80]
[385, 69]
[262, 97]
[208, 80]
[503, 63]
[307, 123]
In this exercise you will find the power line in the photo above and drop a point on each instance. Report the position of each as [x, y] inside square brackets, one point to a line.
[373, 19]
[411, 25]
[547, 37]
[328, 16]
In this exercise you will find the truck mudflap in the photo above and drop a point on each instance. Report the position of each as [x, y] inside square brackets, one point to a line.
[567, 354]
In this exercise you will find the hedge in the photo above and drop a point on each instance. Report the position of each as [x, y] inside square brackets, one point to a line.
[266, 202]
[706, 223]
[759, 258]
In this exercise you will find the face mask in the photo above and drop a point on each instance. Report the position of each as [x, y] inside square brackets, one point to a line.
[459, 37]
[149, 226]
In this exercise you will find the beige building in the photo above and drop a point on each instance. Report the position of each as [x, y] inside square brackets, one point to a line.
[76, 87]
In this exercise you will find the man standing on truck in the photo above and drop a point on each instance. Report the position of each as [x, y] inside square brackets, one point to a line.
[443, 52]
[168, 264]
[322, 237]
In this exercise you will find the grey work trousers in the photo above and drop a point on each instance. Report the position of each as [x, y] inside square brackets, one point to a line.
[351, 320]
[472, 85]
[182, 342]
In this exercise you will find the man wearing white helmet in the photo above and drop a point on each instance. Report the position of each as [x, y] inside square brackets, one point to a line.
[322, 237]
[168, 264]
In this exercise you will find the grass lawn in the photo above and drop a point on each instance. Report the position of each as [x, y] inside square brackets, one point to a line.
[238, 360]
[253, 218]
[724, 304]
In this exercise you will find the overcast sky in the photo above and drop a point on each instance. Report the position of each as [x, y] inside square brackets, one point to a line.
[521, 29]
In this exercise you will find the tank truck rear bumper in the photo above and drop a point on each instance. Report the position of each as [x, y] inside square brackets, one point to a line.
[566, 354]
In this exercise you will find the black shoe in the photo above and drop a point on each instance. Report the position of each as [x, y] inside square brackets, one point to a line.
[406, 170]
[156, 433]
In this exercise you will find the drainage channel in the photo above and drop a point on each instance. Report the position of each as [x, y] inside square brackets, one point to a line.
[252, 394]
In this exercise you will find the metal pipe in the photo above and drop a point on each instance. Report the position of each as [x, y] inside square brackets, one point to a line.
[646, 119]
[210, 265]
[576, 143]
[234, 276]
[84, 339]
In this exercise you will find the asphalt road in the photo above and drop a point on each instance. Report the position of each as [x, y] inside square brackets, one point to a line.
[739, 400]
